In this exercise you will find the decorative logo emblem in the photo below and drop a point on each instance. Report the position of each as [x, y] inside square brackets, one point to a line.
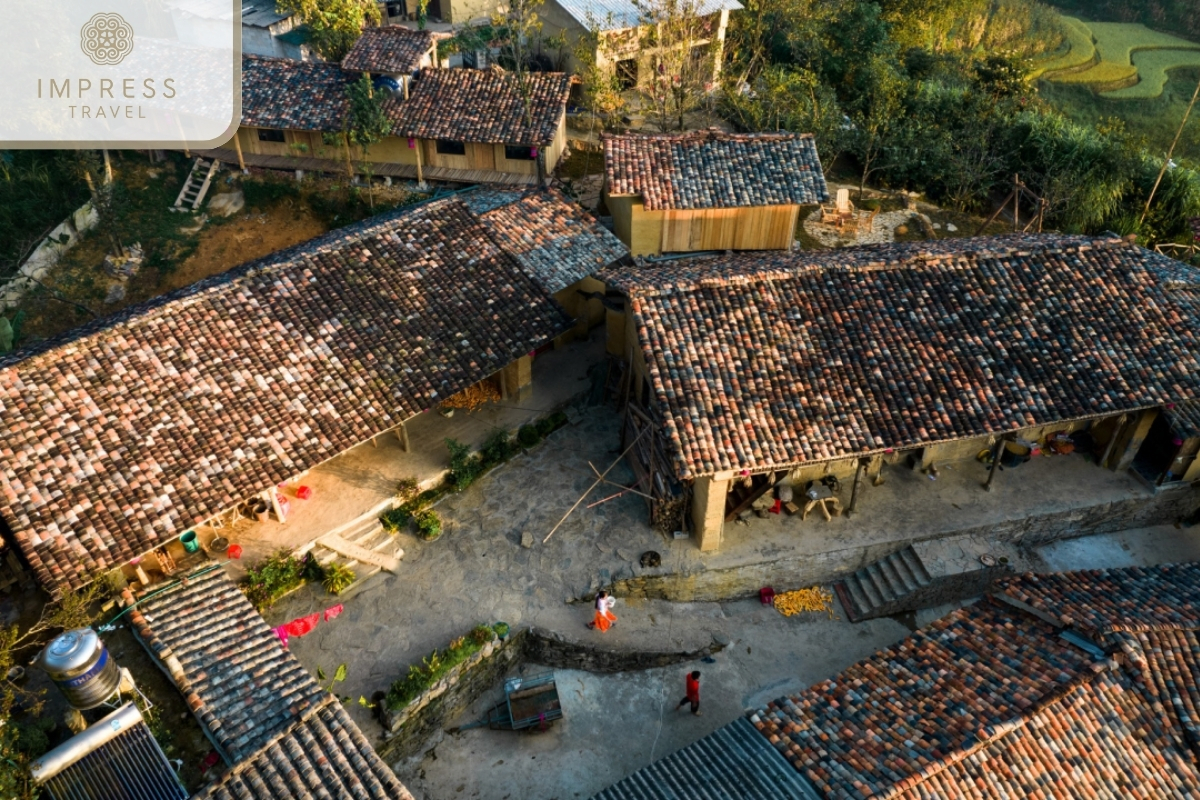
[106, 39]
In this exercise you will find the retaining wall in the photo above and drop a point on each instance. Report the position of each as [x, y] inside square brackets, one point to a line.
[47, 254]
[412, 730]
[786, 571]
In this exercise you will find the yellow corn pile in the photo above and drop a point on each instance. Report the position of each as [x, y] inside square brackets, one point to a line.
[814, 599]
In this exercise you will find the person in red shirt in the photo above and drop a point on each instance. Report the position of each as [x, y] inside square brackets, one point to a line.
[693, 693]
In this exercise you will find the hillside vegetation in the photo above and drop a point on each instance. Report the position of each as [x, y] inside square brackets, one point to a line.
[924, 95]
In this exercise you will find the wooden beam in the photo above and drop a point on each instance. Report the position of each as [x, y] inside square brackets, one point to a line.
[996, 456]
[237, 146]
[273, 496]
[402, 435]
[858, 475]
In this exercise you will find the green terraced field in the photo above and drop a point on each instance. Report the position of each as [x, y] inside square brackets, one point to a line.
[1128, 61]
[1152, 67]
[1080, 50]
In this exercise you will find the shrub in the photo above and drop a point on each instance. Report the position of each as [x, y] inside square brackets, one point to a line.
[551, 423]
[276, 576]
[429, 524]
[465, 466]
[421, 676]
[337, 578]
[497, 448]
[528, 436]
[412, 502]
[265, 192]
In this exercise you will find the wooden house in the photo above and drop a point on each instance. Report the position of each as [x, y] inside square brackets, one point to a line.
[392, 55]
[454, 125]
[710, 190]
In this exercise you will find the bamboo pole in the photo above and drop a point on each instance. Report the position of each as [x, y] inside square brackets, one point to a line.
[594, 485]
[237, 145]
[1170, 152]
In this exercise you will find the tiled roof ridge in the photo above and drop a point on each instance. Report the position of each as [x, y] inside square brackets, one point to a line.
[962, 259]
[195, 292]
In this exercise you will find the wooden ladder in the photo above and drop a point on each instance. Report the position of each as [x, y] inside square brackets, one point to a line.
[196, 187]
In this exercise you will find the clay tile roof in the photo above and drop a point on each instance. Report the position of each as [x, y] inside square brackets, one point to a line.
[1184, 418]
[776, 359]
[391, 49]
[283, 735]
[240, 683]
[710, 169]
[483, 106]
[554, 240]
[323, 755]
[992, 701]
[284, 94]
[1102, 601]
[122, 434]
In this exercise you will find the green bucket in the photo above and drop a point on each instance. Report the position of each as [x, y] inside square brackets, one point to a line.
[189, 542]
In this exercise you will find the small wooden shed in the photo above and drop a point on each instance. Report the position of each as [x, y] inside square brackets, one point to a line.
[710, 190]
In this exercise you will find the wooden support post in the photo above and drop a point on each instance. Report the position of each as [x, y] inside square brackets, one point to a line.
[375, 442]
[996, 454]
[420, 179]
[708, 511]
[237, 145]
[402, 435]
[1135, 436]
[1112, 442]
[858, 474]
[1016, 203]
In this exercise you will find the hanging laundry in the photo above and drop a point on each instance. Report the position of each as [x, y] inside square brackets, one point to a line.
[302, 626]
[282, 633]
[333, 611]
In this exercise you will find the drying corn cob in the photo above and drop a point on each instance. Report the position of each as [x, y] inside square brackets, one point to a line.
[814, 599]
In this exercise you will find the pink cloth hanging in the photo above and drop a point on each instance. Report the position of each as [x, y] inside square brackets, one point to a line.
[283, 635]
[333, 611]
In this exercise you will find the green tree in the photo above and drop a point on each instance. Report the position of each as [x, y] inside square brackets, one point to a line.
[366, 125]
[335, 25]
[680, 40]
[877, 115]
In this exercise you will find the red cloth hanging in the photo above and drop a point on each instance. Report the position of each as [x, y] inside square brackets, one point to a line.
[302, 626]
[333, 611]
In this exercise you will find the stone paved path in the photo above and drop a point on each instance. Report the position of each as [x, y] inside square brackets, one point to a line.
[478, 571]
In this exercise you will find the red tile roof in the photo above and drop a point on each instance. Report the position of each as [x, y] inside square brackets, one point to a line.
[711, 169]
[993, 702]
[485, 106]
[283, 94]
[392, 49]
[776, 359]
[126, 432]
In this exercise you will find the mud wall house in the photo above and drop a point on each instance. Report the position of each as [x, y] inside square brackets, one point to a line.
[121, 435]
[750, 369]
[710, 190]
[624, 44]
[457, 125]
[1074, 685]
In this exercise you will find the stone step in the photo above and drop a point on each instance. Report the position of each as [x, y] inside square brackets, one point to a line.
[914, 563]
[891, 571]
[901, 565]
[869, 590]
[364, 555]
[875, 574]
[854, 588]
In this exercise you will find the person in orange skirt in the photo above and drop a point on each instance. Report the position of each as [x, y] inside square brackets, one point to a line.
[604, 618]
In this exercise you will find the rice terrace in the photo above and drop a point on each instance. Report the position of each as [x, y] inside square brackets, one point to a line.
[1119, 60]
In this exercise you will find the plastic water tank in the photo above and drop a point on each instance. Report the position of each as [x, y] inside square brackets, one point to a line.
[80, 666]
[386, 83]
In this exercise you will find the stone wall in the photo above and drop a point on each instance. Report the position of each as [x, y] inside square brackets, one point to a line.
[785, 572]
[48, 253]
[412, 730]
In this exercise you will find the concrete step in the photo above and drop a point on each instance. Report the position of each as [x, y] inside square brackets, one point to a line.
[868, 589]
[862, 604]
[900, 563]
[357, 552]
[891, 571]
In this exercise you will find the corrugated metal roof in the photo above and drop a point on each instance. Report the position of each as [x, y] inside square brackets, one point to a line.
[611, 15]
[735, 762]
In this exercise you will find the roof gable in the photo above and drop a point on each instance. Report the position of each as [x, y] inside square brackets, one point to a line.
[711, 169]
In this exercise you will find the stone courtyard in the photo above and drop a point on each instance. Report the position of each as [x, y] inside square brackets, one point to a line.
[492, 565]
